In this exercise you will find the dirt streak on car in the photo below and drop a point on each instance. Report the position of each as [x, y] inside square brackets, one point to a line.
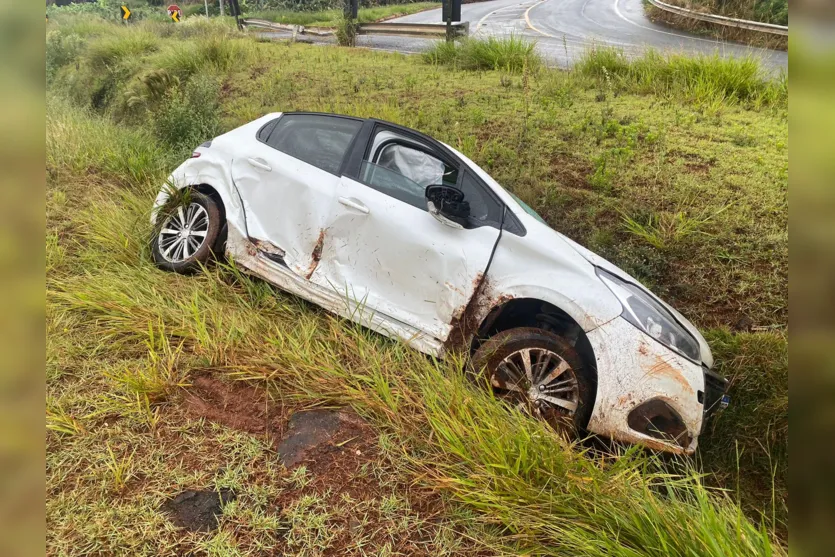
[399, 232]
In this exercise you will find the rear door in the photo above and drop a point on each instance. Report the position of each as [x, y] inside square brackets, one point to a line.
[287, 178]
[385, 251]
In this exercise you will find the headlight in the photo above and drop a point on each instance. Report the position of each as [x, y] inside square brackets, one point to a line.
[645, 312]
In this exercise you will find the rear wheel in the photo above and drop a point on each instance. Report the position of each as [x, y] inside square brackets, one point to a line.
[185, 233]
[538, 372]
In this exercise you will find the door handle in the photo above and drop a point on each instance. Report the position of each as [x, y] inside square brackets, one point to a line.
[354, 204]
[259, 163]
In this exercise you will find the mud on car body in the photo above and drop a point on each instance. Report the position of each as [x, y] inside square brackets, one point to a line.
[405, 235]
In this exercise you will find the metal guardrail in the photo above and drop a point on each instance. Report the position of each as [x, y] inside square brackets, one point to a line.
[722, 20]
[295, 29]
[426, 30]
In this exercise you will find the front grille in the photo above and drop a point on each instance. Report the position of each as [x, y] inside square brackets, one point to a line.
[715, 387]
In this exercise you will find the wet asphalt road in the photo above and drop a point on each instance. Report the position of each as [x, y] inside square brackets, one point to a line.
[564, 29]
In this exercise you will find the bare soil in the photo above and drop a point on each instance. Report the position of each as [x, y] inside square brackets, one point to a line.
[337, 448]
[197, 511]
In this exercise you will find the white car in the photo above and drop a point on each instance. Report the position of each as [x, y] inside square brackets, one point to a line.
[405, 235]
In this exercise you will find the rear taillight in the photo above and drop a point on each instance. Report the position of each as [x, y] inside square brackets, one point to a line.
[195, 154]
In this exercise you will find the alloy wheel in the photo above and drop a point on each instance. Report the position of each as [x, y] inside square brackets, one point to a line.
[538, 381]
[183, 233]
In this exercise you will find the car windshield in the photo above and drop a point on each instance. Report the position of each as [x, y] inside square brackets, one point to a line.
[527, 209]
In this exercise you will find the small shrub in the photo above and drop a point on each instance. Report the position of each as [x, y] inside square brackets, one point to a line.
[346, 31]
[189, 115]
[61, 50]
[145, 92]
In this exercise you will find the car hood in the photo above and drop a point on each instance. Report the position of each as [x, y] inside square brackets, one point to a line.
[594, 259]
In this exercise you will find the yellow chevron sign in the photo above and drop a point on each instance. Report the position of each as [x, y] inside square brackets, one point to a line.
[175, 13]
[125, 13]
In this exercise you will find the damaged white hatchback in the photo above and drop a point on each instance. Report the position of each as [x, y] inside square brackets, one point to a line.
[403, 234]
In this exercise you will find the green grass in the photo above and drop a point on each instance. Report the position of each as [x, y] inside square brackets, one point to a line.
[589, 153]
[702, 79]
[511, 54]
[331, 18]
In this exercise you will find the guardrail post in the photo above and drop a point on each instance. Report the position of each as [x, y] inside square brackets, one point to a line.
[451, 12]
[350, 9]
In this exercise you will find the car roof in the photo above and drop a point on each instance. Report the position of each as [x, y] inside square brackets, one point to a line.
[360, 119]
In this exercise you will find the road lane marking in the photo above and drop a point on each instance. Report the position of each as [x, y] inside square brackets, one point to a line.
[531, 25]
[627, 20]
[483, 19]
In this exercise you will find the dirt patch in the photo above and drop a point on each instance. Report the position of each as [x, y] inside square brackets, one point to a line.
[314, 434]
[693, 162]
[333, 443]
[197, 511]
[235, 405]
[570, 172]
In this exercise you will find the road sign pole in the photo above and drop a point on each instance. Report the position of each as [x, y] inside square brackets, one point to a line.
[447, 11]
[235, 10]
[350, 9]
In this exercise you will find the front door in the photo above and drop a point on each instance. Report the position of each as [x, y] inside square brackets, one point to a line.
[287, 178]
[384, 250]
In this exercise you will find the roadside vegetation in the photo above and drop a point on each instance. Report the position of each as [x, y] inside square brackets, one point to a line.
[332, 17]
[765, 11]
[676, 172]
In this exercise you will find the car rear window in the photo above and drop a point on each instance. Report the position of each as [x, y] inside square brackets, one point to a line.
[316, 139]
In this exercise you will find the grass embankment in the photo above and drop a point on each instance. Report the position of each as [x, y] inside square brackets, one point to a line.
[687, 193]
[766, 11]
[332, 18]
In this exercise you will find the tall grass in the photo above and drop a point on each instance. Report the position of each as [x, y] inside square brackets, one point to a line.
[331, 18]
[701, 78]
[511, 54]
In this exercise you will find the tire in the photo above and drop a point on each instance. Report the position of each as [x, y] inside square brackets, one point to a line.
[202, 224]
[508, 347]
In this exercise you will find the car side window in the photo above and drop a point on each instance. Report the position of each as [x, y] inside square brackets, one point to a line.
[320, 140]
[402, 168]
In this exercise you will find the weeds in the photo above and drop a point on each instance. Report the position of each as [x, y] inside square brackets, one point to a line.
[58, 420]
[702, 79]
[346, 31]
[510, 54]
[121, 469]
[668, 229]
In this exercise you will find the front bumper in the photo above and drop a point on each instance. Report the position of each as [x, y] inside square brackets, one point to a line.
[646, 393]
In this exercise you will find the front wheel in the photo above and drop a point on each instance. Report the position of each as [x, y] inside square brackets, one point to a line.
[185, 233]
[538, 372]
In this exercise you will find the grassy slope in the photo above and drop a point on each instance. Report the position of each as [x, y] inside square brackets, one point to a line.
[585, 152]
[331, 18]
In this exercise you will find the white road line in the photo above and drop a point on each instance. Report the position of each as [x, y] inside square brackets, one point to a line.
[483, 19]
[690, 37]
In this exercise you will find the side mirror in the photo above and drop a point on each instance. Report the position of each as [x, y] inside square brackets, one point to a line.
[447, 205]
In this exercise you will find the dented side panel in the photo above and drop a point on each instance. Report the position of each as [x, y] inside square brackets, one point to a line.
[398, 260]
[239, 248]
[286, 205]
[632, 369]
